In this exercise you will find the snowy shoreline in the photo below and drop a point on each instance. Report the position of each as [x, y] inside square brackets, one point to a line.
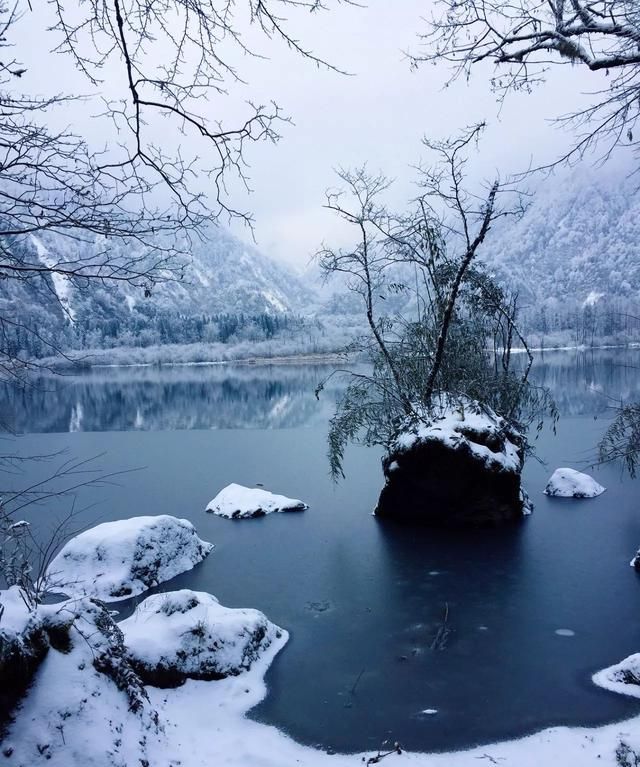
[91, 703]
[319, 358]
[205, 723]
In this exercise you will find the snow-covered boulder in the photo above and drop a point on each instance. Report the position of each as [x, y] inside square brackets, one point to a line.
[458, 465]
[569, 483]
[239, 502]
[623, 677]
[86, 705]
[189, 635]
[117, 560]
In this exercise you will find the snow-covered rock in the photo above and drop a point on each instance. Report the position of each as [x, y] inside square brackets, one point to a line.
[569, 483]
[468, 427]
[86, 704]
[635, 562]
[623, 677]
[23, 646]
[189, 635]
[239, 502]
[458, 465]
[117, 560]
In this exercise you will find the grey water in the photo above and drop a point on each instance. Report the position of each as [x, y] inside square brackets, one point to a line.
[386, 622]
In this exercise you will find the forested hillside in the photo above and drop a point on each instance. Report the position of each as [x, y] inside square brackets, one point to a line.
[230, 292]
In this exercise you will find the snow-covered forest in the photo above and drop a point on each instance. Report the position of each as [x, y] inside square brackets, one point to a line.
[571, 257]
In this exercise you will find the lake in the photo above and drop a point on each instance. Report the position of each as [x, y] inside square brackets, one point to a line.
[364, 601]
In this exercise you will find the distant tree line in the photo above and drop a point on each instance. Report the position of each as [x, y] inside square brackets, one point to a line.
[583, 324]
[152, 329]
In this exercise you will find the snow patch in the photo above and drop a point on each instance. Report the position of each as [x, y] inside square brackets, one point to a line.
[117, 560]
[623, 677]
[465, 424]
[275, 302]
[85, 706]
[15, 614]
[569, 483]
[61, 284]
[592, 299]
[77, 416]
[130, 301]
[239, 502]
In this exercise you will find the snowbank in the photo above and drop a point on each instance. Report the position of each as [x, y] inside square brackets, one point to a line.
[623, 677]
[23, 646]
[86, 705]
[189, 634]
[569, 483]
[121, 559]
[239, 502]
[80, 715]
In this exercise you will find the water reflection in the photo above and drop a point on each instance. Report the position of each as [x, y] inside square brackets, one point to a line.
[177, 398]
[589, 382]
[266, 396]
[364, 600]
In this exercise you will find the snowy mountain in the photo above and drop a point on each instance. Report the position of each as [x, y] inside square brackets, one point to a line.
[229, 290]
[574, 257]
[579, 238]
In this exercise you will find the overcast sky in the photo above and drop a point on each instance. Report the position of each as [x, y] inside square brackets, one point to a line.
[377, 115]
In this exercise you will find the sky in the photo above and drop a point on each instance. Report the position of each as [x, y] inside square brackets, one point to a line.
[377, 114]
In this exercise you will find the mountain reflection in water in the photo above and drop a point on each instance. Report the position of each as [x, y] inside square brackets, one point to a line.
[266, 396]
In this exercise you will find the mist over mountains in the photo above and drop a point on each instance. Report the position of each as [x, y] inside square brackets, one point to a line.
[573, 258]
[230, 291]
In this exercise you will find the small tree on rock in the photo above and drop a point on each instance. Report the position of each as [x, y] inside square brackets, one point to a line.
[441, 331]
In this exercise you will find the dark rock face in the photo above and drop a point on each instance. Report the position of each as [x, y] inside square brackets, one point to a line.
[468, 479]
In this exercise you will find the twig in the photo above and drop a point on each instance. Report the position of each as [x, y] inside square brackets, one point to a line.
[353, 689]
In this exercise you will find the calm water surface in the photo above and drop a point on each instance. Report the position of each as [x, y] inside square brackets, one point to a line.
[365, 601]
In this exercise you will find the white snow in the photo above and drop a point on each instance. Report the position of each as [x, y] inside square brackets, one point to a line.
[623, 677]
[74, 716]
[593, 298]
[117, 560]
[139, 420]
[189, 633]
[464, 424]
[61, 284]
[275, 302]
[569, 483]
[239, 502]
[16, 615]
[131, 302]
